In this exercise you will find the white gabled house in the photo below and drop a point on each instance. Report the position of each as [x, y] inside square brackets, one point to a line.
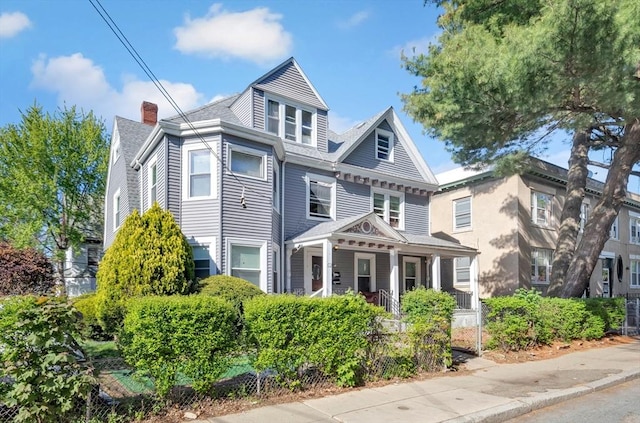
[264, 190]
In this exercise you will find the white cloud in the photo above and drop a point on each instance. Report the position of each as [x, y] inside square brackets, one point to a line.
[255, 35]
[78, 81]
[416, 47]
[355, 19]
[12, 23]
[339, 124]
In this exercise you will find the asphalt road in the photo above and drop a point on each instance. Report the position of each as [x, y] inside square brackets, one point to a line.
[618, 404]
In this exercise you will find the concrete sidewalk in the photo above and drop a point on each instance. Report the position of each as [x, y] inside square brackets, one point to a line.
[491, 393]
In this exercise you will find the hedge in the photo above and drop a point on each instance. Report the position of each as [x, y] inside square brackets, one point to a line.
[230, 288]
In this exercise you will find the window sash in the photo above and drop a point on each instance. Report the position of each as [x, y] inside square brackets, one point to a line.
[273, 117]
[247, 164]
[199, 173]
[463, 270]
[201, 261]
[462, 213]
[245, 263]
[307, 127]
[388, 207]
[541, 265]
[290, 123]
[116, 212]
[378, 204]
[541, 208]
[635, 273]
[383, 146]
[634, 233]
[153, 184]
[320, 195]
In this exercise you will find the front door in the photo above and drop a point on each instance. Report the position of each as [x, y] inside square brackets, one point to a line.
[316, 273]
[606, 287]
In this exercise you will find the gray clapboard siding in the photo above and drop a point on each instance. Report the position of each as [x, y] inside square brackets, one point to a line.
[288, 82]
[158, 155]
[242, 107]
[364, 155]
[322, 125]
[352, 199]
[416, 210]
[297, 270]
[258, 109]
[174, 177]
[383, 271]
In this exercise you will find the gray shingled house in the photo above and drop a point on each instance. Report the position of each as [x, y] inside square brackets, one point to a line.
[264, 190]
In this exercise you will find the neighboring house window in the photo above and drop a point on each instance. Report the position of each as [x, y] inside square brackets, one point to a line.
[389, 206]
[462, 267]
[290, 122]
[116, 210]
[541, 265]
[634, 265]
[201, 261]
[384, 145]
[634, 229]
[541, 208]
[321, 193]
[199, 176]
[93, 256]
[584, 215]
[276, 186]
[462, 213]
[365, 271]
[411, 273]
[613, 232]
[153, 183]
[248, 162]
[246, 261]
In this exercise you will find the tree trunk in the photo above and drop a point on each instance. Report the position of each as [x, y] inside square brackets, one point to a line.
[596, 232]
[570, 218]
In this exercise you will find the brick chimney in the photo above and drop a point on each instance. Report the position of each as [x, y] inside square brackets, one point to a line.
[149, 112]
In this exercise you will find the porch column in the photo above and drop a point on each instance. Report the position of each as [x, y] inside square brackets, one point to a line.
[435, 273]
[473, 281]
[287, 270]
[394, 277]
[327, 263]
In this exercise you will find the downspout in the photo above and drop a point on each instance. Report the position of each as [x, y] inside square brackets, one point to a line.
[283, 252]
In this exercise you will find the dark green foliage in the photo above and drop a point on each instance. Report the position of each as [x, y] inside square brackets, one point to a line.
[569, 319]
[514, 324]
[610, 310]
[91, 329]
[24, 271]
[421, 303]
[149, 256]
[41, 356]
[191, 335]
[296, 333]
[230, 288]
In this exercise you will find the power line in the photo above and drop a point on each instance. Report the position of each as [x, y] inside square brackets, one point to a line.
[154, 79]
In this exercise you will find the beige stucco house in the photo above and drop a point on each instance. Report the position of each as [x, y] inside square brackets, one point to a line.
[513, 223]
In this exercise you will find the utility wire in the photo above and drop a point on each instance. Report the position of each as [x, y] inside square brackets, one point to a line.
[154, 79]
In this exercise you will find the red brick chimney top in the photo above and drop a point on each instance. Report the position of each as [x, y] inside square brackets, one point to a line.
[149, 112]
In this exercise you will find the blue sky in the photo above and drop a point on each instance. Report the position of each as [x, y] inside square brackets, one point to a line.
[62, 52]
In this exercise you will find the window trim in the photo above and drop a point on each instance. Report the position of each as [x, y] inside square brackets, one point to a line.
[615, 224]
[634, 217]
[249, 152]
[276, 268]
[310, 177]
[418, 277]
[210, 243]
[634, 259]
[456, 282]
[282, 104]
[153, 163]
[536, 281]
[372, 260]
[387, 205]
[243, 242]
[390, 136]
[117, 147]
[534, 209]
[117, 213]
[186, 173]
[454, 203]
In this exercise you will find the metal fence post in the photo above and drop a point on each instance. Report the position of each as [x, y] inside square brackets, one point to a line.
[479, 328]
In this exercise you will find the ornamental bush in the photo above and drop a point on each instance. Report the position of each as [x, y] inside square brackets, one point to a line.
[190, 335]
[230, 288]
[568, 319]
[514, 324]
[610, 310]
[90, 328]
[293, 334]
[24, 271]
[149, 256]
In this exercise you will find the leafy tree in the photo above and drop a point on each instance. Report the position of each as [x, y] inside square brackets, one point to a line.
[506, 75]
[24, 271]
[149, 256]
[52, 179]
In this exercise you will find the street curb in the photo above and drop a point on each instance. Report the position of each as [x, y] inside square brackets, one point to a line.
[524, 405]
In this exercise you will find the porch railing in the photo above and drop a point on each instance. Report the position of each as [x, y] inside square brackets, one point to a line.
[463, 299]
[389, 303]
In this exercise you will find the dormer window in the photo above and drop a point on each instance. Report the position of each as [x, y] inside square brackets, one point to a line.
[290, 122]
[384, 145]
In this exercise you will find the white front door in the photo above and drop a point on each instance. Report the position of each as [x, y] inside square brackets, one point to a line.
[364, 268]
[411, 273]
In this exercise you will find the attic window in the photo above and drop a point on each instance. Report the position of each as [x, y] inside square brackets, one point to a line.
[384, 145]
[290, 122]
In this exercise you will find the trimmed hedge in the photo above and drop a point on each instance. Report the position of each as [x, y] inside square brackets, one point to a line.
[192, 335]
[610, 310]
[91, 329]
[294, 334]
[230, 288]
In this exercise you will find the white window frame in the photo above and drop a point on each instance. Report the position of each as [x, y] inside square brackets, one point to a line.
[387, 205]
[456, 226]
[634, 264]
[276, 185]
[534, 276]
[210, 244]
[276, 269]
[153, 163]
[584, 216]
[282, 103]
[243, 242]
[390, 136]
[634, 222]
[534, 208]
[249, 152]
[117, 213]
[417, 262]
[325, 180]
[457, 268]
[186, 172]
[116, 148]
[372, 262]
[614, 231]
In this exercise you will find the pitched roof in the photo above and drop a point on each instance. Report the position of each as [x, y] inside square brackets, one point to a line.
[214, 110]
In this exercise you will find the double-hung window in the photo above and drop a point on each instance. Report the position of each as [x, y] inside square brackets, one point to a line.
[321, 197]
[389, 206]
[462, 270]
[199, 172]
[247, 260]
[634, 274]
[290, 122]
[201, 261]
[384, 145]
[541, 265]
[365, 271]
[613, 232]
[462, 214]
[634, 228]
[248, 162]
[153, 183]
[541, 208]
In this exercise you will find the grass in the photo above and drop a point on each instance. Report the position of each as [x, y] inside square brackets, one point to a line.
[99, 349]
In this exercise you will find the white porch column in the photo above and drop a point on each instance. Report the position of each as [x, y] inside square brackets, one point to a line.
[473, 276]
[435, 273]
[289, 253]
[327, 264]
[394, 277]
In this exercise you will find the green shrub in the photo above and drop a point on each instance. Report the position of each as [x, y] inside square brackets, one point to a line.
[91, 329]
[610, 310]
[568, 319]
[421, 303]
[230, 288]
[41, 356]
[297, 333]
[191, 335]
[514, 323]
[149, 256]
